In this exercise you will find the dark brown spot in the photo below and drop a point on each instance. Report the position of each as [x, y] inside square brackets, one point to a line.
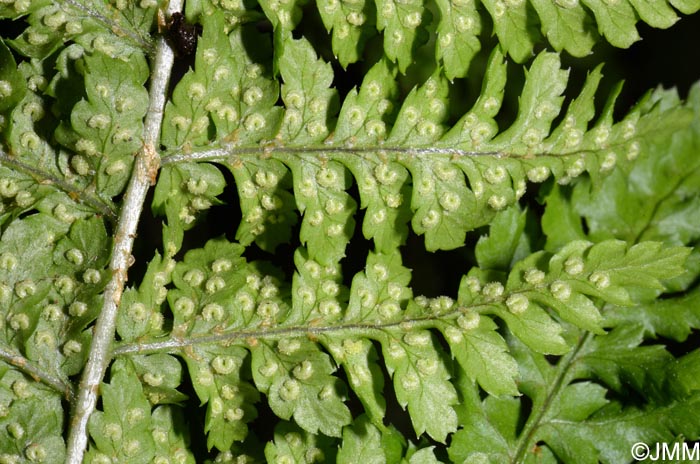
[183, 35]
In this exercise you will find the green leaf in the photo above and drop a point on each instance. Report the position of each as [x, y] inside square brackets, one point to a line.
[515, 26]
[656, 14]
[498, 249]
[642, 265]
[487, 428]
[380, 293]
[106, 126]
[570, 279]
[267, 205]
[401, 24]
[350, 26]
[422, 114]
[384, 191]
[292, 444]
[617, 359]
[160, 375]
[673, 318]
[483, 354]
[309, 101]
[92, 24]
[657, 203]
[364, 442]
[12, 86]
[122, 429]
[232, 97]
[421, 382]
[365, 112]
[215, 289]
[685, 372]
[359, 359]
[184, 190]
[615, 22]
[579, 114]
[423, 456]
[383, 185]
[563, 417]
[560, 223]
[319, 190]
[567, 26]
[603, 426]
[48, 302]
[156, 335]
[220, 381]
[458, 32]
[539, 103]
[442, 204]
[686, 6]
[297, 379]
[197, 97]
[168, 431]
[318, 289]
[537, 330]
[32, 419]
[140, 315]
[612, 430]
[478, 124]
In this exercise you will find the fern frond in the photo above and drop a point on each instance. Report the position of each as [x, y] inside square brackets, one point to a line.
[536, 344]
[225, 308]
[127, 429]
[36, 168]
[347, 23]
[51, 286]
[462, 174]
[566, 411]
[264, 188]
[296, 445]
[662, 180]
[307, 95]
[97, 26]
[50, 301]
[404, 27]
[106, 126]
[297, 379]
[674, 318]
[619, 362]
[363, 441]
[197, 186]
[53, 247]
[31, 412]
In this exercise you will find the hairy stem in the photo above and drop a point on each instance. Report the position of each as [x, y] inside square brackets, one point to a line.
[228, 153]
[366, 329]
[145, 170]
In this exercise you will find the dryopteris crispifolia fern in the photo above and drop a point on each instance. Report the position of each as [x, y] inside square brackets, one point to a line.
[576, 231]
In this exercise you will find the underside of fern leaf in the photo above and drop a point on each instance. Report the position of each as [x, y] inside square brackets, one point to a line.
[215, 257]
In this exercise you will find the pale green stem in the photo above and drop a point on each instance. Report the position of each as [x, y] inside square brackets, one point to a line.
[529, 432]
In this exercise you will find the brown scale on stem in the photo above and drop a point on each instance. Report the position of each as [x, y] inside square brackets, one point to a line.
[181, 34]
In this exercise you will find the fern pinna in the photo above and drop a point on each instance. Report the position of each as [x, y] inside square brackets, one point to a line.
[574, 230]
